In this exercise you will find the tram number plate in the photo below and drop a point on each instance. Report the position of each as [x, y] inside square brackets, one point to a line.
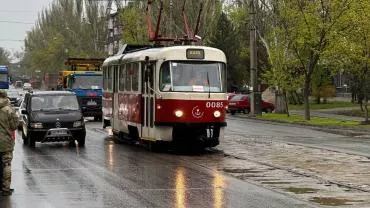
[58, 132]
[91, 102]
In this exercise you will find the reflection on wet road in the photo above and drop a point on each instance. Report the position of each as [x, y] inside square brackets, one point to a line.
[106, 174]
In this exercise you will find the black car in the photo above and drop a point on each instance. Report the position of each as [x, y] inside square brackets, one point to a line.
[52, 116]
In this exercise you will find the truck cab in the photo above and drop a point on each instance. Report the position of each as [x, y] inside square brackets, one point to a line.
[87, 85]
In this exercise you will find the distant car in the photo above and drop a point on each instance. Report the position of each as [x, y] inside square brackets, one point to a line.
[27, 86]
[241, 103]
[15, 97]
[18, 111]
[18, 84]
[52, 116]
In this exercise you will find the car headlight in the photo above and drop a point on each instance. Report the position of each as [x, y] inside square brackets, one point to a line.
[217, 114]
[179, 113]
[36, 125]
[77, 123]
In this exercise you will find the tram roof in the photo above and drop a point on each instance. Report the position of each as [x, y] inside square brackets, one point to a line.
[167, 53]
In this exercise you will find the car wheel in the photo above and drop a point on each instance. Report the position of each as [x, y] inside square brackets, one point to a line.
[268, 110]
[246, 111]
[97, 118]
[106, 123]
[81, 142]
[31, 141]
[232, 112]
[24, 138]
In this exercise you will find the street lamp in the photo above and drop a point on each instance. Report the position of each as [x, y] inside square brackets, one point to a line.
[75, 37]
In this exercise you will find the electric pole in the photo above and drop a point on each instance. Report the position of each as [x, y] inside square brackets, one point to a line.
[255, 95]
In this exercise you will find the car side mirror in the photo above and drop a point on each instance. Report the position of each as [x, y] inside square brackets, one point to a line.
[24, 111]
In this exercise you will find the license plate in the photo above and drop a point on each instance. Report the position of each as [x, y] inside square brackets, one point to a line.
[91, 102]
[58, 132]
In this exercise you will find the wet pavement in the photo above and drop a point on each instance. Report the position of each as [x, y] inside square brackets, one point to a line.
[324, 168]
[106, 174]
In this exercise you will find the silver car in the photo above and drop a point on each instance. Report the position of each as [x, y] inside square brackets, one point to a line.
[18, 111]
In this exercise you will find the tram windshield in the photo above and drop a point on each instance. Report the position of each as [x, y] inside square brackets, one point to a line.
[192, 77]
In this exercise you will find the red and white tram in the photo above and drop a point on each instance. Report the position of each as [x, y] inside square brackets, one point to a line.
[170, 94]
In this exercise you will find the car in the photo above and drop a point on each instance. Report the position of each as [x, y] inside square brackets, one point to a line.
[18, 84]
[18, 112]
[27, 86]
[15, 97]
[52, 116]
[241, 103]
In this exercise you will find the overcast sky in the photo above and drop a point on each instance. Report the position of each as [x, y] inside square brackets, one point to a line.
[17, 17]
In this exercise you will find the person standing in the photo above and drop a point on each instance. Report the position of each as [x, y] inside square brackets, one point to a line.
[8, 124]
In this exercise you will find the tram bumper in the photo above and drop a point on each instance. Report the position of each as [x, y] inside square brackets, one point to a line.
[202, 134]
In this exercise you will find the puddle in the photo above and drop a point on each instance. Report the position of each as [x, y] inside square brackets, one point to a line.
[241, 170]
[301, 190]
[330, 201]
[275, 182]
[253, 177]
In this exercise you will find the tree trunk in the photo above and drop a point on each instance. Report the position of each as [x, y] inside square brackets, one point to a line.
[318, 99]
[306, 98]
[280, 102]
[286, 104]
[366, 113]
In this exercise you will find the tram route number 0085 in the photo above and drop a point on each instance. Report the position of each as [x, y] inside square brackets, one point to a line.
[214, 104]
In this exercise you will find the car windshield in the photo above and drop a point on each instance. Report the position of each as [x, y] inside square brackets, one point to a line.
[13, 94]
[88, 82]
[192, 77]
[54, 102]
[3, 77]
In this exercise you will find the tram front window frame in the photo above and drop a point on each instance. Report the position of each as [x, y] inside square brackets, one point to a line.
[192, 76]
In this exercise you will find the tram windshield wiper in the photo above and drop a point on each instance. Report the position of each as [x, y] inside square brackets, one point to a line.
[209, 86]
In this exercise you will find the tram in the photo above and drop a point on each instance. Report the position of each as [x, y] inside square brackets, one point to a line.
[174, 94]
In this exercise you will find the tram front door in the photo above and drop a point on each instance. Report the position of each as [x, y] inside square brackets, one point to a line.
[148, 101]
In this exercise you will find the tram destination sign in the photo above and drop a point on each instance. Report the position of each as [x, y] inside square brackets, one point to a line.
[194, 53]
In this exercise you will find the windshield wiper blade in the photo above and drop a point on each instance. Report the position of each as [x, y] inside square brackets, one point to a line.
[209, 86]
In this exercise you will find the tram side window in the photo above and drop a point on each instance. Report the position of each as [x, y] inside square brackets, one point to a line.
[122, 78]
[128, 77]
[135, 77]
[110, 78]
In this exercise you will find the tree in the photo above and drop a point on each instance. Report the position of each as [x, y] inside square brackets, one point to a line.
[4, 57]
[310, 26]
[61, 32]
[224, 39]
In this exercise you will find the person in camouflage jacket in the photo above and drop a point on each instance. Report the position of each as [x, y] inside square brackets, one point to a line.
[8, 124]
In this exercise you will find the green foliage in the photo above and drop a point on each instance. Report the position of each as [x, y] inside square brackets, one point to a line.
[61, 32]
[224, 39]
[135, 27]
[309, 28]
[4, 57]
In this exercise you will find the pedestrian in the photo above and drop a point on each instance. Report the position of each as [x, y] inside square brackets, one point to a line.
[8, 124]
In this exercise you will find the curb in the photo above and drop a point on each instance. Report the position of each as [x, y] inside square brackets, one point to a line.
[345, 131]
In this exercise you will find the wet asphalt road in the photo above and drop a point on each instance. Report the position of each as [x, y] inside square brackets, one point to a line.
[300, 135]
[106, 174]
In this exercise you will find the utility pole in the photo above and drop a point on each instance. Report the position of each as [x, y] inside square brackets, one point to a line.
[255, 95]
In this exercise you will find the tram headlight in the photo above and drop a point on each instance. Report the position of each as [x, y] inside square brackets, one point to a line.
[217, 114]
[179, 113]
